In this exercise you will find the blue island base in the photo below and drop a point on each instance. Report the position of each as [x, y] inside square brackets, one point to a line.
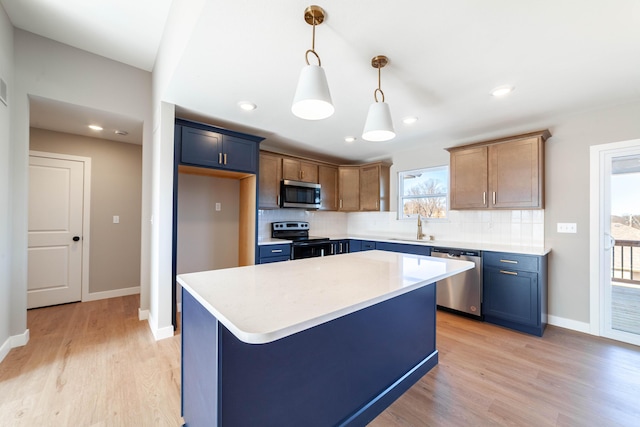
[343, 372]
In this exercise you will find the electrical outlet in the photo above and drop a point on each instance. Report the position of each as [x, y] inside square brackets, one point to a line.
[218, 206]
[567, 227]
[116, 219]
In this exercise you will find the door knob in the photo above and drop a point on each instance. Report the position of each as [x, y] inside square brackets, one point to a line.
[76, 238]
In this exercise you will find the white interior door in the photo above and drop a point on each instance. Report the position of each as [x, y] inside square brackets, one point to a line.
[55, 231]
[616, 240]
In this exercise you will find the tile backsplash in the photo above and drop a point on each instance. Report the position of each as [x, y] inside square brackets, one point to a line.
[518, 227]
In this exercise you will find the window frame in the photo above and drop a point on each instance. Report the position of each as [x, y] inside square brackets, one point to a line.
[402, 197]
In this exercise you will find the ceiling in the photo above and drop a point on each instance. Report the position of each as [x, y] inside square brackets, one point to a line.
[562, 57]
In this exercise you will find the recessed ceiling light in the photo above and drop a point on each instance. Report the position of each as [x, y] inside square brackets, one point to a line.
[502, 90]
[409, 120]
[95, 127]
[121, 132]
[247, 106]
[349, 138]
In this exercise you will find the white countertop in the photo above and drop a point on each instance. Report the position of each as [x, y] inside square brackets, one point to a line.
[479, 246]
[263, 303]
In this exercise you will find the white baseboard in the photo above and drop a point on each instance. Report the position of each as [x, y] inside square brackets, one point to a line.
[5, 348]
[143, 314]
[159, 333]
[94, 296]
[13, 342]
[574, 325]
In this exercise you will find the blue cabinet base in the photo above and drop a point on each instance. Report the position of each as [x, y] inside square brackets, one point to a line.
[343, 372]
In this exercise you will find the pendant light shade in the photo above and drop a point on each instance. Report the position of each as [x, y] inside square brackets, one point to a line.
[378, 126]
[312, 100]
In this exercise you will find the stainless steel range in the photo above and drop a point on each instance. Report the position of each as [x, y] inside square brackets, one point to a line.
[303, 246]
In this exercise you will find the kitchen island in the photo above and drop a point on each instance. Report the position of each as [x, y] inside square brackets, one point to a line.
[319, 341]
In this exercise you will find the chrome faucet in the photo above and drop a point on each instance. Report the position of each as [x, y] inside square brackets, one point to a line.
[420, 233]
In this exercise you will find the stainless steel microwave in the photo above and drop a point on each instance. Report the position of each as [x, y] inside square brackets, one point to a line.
[297, 194]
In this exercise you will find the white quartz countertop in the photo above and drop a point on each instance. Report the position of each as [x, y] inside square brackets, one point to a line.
[263, 303]
[479, 246]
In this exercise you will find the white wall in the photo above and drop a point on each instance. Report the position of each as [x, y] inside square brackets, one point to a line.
[56, 71]
[6, 73]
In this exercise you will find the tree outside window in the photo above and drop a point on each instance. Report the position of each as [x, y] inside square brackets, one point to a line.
[424, 192]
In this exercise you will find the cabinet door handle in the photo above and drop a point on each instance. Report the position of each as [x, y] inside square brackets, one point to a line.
[225, 158]
[377, 204]
[276, 251]
[219, 158]
[509, 261]
[484, 197]
[340, 203]
[278, 200]
[494, 197]
[512, 273]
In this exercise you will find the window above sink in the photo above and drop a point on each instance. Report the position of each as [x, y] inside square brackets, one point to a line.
[424, 192]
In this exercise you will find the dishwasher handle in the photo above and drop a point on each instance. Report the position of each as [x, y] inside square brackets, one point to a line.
[455, 253]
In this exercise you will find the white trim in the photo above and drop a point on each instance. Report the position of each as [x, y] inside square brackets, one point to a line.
[599, 324]
[143, 314]
[5, 349]
[94, 296]
[13, 342]
[86, 213]
[159, 333]
[574, 325]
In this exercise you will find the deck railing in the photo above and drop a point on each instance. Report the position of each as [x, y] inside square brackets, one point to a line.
[625, 261]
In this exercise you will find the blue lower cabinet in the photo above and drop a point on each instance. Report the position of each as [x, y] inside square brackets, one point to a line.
[361, 245]
[274, 253]
[404, 248]
[515, 291]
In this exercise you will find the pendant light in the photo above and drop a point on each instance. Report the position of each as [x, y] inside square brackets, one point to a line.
[312, 100]
[379, 126]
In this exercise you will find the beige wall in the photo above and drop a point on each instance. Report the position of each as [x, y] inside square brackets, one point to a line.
[207, 239]
[116, 189]
[567, 196]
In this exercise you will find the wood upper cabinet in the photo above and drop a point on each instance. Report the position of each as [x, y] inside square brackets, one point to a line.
[469, 175]
[374, 187]
[501, 174]
[269, 183]
[328, 180]
[516, 174]
[299, 170]
[349, 188]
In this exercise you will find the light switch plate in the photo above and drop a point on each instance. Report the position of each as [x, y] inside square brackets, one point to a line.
[218, 206]
[116, 219]
[567, 227]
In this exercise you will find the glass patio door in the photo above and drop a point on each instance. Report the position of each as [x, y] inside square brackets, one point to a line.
[619, 238]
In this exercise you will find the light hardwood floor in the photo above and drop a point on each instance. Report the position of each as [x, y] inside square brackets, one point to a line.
[95, 364]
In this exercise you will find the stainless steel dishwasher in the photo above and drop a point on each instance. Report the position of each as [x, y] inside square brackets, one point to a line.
[462, 292]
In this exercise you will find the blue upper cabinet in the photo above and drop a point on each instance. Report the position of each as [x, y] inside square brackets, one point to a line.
[210, 147]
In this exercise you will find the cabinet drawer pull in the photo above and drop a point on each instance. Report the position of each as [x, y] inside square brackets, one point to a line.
[494, 197]
[513, 273]
[509, 261]
[276, 251]
[225, 158]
